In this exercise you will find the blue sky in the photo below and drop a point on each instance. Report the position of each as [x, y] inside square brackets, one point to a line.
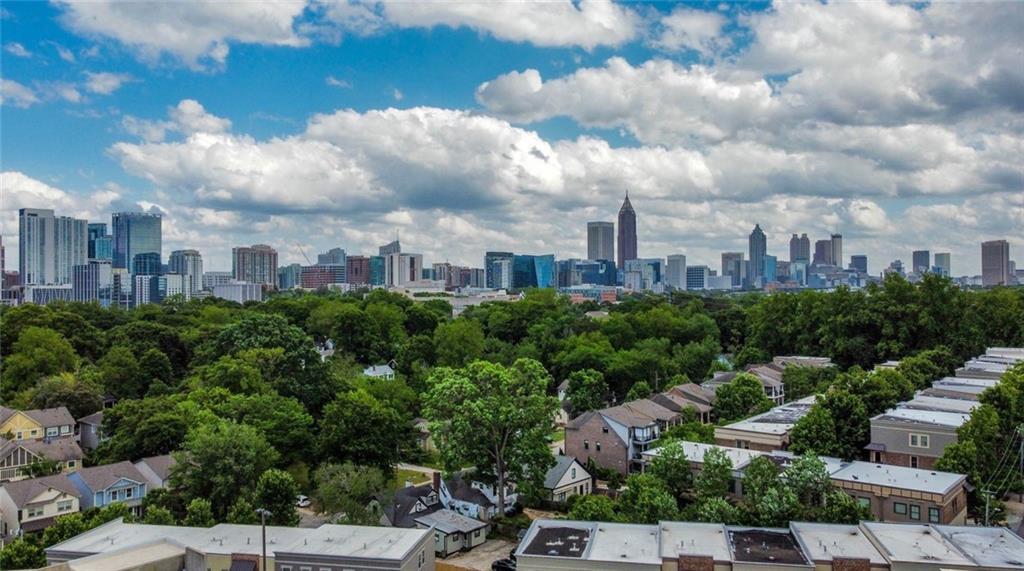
[468, 127]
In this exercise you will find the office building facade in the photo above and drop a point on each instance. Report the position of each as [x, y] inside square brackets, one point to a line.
[758, 246]
[357, 270]
[93, 281]
[530, 271]
[255, 264]
[135, 233]
[823, 253]
[601, 241]
[942, 263]
[498, 269]
[290, 276]
[49, 246]
[859, 262]
[733, 266]
[800, 249]
[697, 277]
[675, 271]
[390, 248]
[922, 261]
[995, 263]
[627, 233]
[400, 269]
[188, 263]
[836, 245]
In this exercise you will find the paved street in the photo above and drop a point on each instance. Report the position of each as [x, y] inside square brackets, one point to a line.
[482, 556]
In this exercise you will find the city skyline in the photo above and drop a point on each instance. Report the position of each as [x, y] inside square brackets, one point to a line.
[708, 137]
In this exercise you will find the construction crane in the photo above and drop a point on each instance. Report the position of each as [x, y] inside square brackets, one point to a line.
[303, 252]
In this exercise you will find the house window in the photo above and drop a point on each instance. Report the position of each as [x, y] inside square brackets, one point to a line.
[574, 473]
[604, 430]
[878, 457]
[913, 462]
[65, 429]
[35, 512]
[114, 495]
[476, 533]
[52, 431]
[71, 463]
[286, 568]
[598, 445]
[915, 511]
[64, 505]
[743, 444]
[21, 435]
[933, 515]
[919, 440]
[128, 493]
[899, 508]
[34, 432]
[586, 445]
[866, 502]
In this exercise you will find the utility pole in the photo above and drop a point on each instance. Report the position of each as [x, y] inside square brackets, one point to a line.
[263, 526]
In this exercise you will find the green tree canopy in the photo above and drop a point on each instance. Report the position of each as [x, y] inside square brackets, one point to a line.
[741, 398]
[349, 489]
[276, 492]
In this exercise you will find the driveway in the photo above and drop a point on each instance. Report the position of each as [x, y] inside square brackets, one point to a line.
[482, 556]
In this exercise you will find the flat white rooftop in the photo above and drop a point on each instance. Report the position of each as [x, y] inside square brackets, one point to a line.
[917, 416]
[970, 381]
[989, 546]
[927, 402]
[620, 542]
[901, 477]
[913, 543]
[778, 420]
[688, 538]
[357, 541]
[825, 541]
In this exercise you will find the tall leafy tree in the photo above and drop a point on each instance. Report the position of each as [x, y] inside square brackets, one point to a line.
[647, 499]
[356, 427]
[38, 353]
[494, 417]
[673, 468]
[199, 513]
[593, 507]
[587, 391]
[276, 492]
[349, 489]
[458, 343]
[219, 461]
[715, 477]
[741, 398]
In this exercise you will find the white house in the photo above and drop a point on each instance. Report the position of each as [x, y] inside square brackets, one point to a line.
[566, 479]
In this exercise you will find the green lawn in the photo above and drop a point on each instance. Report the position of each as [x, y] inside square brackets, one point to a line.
[556, 435]
[401, 476]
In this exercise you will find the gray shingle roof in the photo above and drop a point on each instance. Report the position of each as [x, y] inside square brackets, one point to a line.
[102, 477]
[160, 465]
[448, 521]
[60, 449]
[44, 416]
[94, 418]
[24, 490]
[554, 475]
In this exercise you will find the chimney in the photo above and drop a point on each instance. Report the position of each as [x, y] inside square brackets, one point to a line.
[436, 477]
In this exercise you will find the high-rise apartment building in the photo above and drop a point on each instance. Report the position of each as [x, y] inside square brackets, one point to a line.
[332, 257]
[93, 281]
[836, 248]
[675, 271]
[627, 233]
[498, 269]
[214, 279]
[800, 249]
[187, 263]
[770, 271]
[942, 263]
[823, 253]
[922, 261]
[50, 246]
[995, 263]
[255, 264]
[758, 246]
[97, 230]
[643, 273]
[357, 270]
[135, 233]
[377, 273]
[733, 266]
[289, 277]
[400, 269]
[859, 262]
[390, 248]
[600, 240]
[147, 264]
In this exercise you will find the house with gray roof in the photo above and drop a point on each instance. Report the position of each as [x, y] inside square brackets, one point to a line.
[156, 470]
[453, 532]
[101, 486]
[32, 505]
[36, 423]
[565, 479]
[90, 430]
[16, 457]
[616, 437]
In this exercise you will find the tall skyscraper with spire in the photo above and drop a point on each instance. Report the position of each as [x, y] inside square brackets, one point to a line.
[758, 249]
[627, 233]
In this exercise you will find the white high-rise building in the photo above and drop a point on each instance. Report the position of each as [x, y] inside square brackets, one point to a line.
[187, 263]
[401, 268]
[675, 272]
[50, 246]
[239, 292]
[697, 277]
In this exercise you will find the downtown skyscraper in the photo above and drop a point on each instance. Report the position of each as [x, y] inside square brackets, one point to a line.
[600, 240]
[758, 245]
[135, 233]
[627, 233]
[49, 246]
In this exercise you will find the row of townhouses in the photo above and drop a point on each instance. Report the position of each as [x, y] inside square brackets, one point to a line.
[687, 546]
[915, 433]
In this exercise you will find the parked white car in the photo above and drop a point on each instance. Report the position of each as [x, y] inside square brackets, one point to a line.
[302, 501]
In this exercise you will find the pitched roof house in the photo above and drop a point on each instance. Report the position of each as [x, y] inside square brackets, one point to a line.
[156, 470]
[17, 456]
[36, 423]
[616, 437]
[111, 483]
[32, 505]
[567, 478]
